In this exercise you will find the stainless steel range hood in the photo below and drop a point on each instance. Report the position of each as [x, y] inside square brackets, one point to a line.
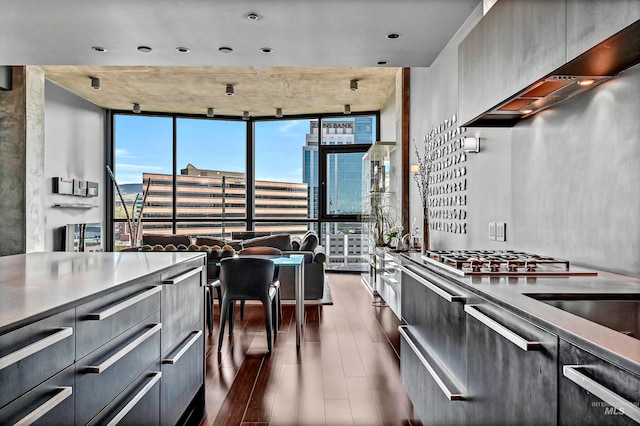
[588, 70]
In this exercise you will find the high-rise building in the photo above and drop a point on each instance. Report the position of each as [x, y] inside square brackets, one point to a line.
[344, 171]
[215, 195]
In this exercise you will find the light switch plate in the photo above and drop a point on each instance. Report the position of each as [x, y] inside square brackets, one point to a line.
[501, 231]
[492, 231]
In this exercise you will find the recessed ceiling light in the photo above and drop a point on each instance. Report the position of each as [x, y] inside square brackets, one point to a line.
[278, 112]
[253, 16]
[393, 35]
[99, 49]
[136, 108]
[266, 50]
[183, 49]
[144, 49]
[95, 82]
[382, 62]
[245, 115]
[225, 49]
[347, 109]
[210, 112]
[229, 90]
[353, 85]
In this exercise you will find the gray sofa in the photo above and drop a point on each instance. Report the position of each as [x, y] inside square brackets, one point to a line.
[308, 245]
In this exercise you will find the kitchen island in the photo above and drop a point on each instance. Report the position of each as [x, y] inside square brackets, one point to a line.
[525, 350]
[92, 338]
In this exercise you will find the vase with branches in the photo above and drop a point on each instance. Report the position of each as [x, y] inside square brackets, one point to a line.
[422, 176]
[134, 224]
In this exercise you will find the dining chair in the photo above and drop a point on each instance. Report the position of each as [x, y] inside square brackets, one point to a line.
[265, 252]
[247, 278]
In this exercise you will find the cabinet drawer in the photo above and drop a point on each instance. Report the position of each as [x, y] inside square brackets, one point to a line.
[182, 303]
[511, 369]
[592, 391]
[137, 405]
[436, 396]
[102, 375]
[101, 320]
[50, 403]
[435, 310]
[182, 376]
[33, 353]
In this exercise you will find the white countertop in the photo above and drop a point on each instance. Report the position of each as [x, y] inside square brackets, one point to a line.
[35, 284]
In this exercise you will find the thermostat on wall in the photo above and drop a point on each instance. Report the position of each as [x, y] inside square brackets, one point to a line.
[80, 187]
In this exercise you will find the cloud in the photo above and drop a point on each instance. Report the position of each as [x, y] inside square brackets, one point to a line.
[123, 153]
[288, 125]
[137, 167]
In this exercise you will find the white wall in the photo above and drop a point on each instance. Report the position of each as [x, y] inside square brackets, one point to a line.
[565, 181]
[74, 138]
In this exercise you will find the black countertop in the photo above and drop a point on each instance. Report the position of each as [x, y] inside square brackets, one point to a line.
[512, 294]
[35, 285]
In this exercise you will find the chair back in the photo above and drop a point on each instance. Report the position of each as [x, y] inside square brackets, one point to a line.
[246, 277]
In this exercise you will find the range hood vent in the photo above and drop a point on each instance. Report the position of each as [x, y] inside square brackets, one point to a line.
[588, 70]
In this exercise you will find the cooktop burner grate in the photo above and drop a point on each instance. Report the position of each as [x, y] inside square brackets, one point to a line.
[500, 262]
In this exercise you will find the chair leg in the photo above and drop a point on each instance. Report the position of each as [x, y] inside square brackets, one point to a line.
[223, 316]
[274, 317]
[241, 309]
[209, 309]
[268, 321]
[232, 316]
[219, 291]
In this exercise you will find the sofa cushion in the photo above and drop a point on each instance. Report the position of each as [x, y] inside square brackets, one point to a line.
[279, 241]
[163, 239]
[309, 242]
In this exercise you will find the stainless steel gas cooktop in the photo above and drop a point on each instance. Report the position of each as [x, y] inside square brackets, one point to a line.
[500, 263]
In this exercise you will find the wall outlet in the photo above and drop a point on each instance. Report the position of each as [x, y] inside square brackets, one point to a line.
[492, 231]
[501, 231]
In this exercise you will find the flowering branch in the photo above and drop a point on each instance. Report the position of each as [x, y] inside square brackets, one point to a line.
[423, 174]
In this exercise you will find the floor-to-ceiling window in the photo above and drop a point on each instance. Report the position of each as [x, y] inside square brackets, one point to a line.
[216, 176]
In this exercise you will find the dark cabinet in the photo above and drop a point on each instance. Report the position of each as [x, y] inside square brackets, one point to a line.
[511, 369]
[436, 395]
[50, 403]
[432, 346]
[131, 355]
[592, 391]
[434, 310]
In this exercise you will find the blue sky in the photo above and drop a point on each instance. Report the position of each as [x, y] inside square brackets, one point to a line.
[144, 144]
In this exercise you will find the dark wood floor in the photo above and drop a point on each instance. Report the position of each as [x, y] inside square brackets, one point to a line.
[347, 370]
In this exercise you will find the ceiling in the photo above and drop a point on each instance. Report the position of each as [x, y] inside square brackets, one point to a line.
[316, 48]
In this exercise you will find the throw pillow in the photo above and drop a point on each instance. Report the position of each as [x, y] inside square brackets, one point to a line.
[309, 242]
[279, 241]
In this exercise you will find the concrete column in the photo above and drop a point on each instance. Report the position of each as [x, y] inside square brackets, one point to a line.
[22, 183]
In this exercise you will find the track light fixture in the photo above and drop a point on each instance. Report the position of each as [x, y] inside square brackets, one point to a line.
[278, 112]
[353, 85]
[347, 109]
[136, 108]
[245, 115]
[95, 83]
[229, 91]
[210, 112]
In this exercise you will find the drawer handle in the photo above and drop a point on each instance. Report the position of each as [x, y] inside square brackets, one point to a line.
[437, 290]
[97, 369]
[99, 316]
[183, 276]
[451, 396]
[185, 348]
[35, 347]
[517, 340]
[627, 408]
[62, 394]
[153, 379]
